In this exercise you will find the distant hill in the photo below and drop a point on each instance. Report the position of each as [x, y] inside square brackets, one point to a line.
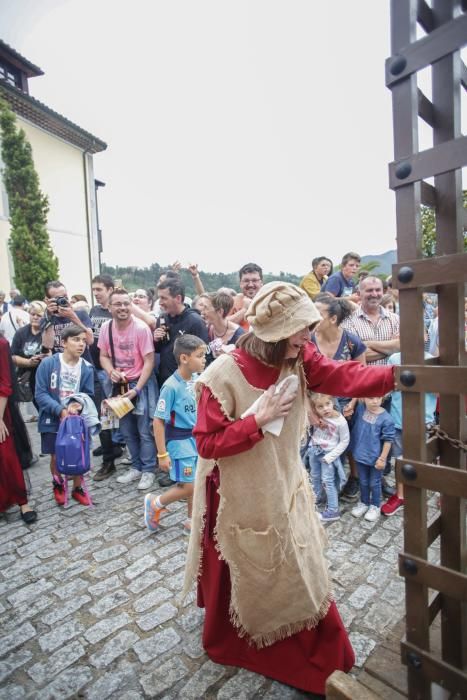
[385, 260]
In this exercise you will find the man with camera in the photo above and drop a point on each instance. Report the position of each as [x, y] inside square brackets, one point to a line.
[60, 315]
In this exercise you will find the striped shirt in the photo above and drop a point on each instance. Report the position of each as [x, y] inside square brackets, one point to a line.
[386, 328]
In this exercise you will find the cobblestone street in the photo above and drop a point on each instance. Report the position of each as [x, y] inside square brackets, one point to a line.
[88, 600]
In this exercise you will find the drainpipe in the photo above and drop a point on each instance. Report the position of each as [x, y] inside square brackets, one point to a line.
[88, 223]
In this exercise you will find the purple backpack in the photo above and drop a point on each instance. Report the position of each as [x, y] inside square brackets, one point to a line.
[73, 449]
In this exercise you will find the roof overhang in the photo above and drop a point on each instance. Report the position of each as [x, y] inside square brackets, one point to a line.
[42, 116]
[18, 61]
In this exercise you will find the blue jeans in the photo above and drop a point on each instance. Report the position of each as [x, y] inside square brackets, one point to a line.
[327, 475]
[370, 484]
[136, 428]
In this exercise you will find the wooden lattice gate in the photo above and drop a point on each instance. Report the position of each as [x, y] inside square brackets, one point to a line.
[433, 178]
[431, 589]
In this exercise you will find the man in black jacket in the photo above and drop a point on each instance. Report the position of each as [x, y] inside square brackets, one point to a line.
[176, 319]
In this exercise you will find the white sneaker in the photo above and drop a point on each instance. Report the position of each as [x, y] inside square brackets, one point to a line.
[129, 476]
[146, 481]
[126, 459]
[372, 514]
[357, 512]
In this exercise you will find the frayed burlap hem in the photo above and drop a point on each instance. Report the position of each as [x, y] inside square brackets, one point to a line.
[194, 570]
[194, 560]
[266, 639]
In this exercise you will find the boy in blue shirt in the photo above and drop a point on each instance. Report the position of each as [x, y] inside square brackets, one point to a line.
[174, 420]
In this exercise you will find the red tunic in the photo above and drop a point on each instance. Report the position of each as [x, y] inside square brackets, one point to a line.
[12, 486]
[305, 659]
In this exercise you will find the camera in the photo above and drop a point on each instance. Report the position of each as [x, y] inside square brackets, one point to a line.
[62, 301]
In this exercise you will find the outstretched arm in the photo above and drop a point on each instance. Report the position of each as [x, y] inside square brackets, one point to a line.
[193, 268]
[149, 319]
[345, 378]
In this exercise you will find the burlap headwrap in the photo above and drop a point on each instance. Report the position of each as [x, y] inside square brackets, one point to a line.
[279, 310]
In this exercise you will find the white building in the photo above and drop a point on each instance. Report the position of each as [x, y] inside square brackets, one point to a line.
[63, 158]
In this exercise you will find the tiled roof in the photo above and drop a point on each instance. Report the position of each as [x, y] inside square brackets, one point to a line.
[22, 63]
[39, 114]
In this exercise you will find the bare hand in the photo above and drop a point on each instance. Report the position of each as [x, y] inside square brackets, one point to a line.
[159, 334]
[34, 361]
[176, 266]
[165, 463]
[348, 410]
[74, 408]
[193, 268]
[131, 394]
[274, 405]
[380, 464]
[117, 376]
[52, 306]
[68, 312]
[3, 431]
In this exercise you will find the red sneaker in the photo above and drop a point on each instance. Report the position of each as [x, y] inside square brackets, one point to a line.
[392, 505]
[59, 490]
[79, 495]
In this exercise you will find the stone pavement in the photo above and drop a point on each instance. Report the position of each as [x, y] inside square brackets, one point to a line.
[88, 600]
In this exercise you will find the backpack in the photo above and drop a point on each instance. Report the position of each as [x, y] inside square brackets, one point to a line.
[73, 449]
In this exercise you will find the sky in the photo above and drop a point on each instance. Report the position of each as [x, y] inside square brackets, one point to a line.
[239, 130]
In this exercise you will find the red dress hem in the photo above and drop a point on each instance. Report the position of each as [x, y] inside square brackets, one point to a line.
[12, 484]
[304, 660]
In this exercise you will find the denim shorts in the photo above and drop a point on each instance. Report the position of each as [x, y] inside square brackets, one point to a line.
[48, 441]
[183, 470]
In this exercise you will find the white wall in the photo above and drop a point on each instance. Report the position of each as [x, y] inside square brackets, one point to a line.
[60, 167]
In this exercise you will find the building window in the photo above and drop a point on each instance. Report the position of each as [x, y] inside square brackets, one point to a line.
[12, 76]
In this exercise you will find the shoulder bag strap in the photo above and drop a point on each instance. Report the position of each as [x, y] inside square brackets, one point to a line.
[111, 343]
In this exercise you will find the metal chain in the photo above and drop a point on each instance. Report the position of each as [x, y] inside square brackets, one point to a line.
[436, 431]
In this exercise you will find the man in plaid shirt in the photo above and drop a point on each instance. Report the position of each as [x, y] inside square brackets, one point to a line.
[376, 327]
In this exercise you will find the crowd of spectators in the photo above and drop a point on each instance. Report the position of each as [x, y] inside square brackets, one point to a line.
[128, 342]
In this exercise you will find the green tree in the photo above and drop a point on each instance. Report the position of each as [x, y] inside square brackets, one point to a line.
[429, 229]
[147, 277]
[369, 266]
[33, 258]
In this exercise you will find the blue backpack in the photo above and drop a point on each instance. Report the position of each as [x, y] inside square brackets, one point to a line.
[73, 451]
